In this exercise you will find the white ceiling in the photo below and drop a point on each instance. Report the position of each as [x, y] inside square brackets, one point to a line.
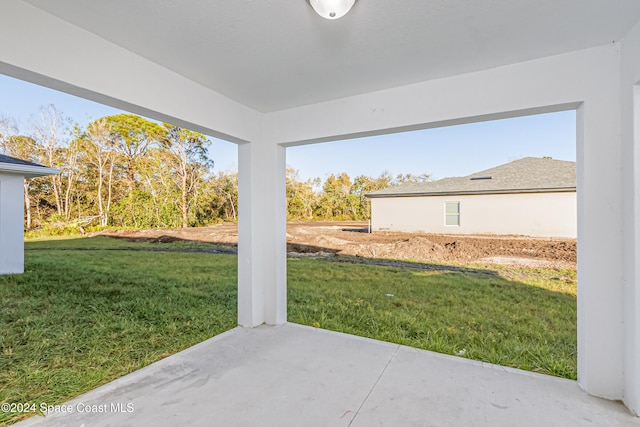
[277, 54]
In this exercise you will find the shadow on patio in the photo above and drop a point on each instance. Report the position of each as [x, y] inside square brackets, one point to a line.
[295, 375]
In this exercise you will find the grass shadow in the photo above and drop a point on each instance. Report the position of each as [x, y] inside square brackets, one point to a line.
[412, 265]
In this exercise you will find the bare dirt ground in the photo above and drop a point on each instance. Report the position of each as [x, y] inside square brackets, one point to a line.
[351, 239]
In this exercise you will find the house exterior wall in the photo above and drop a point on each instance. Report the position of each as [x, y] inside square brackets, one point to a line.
[11, 224]
[630, 97]
[533, 214]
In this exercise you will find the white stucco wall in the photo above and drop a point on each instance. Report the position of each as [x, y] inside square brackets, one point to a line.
[11, 224]
[533, 214]
[630, 100]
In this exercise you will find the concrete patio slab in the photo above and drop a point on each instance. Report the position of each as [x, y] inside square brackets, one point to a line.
[294, 375]
[429, 389]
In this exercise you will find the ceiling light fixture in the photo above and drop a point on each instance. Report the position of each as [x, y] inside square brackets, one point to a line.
[332, 9]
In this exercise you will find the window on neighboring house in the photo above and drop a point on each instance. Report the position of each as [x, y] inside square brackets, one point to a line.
[452, 213]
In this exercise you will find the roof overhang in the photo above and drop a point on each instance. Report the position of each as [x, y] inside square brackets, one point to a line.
[26, 170]
[474, 193]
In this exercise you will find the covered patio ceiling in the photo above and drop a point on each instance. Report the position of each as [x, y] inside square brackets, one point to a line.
[270, 74]
[276, 54]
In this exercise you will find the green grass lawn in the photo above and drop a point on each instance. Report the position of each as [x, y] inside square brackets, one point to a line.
[480, 314]
[89, 310]
[80, 318]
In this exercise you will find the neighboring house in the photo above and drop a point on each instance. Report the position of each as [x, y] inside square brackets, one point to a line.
[12, 174]
[530, 196]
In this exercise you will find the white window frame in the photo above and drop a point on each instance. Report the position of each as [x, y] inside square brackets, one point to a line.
[447, 215]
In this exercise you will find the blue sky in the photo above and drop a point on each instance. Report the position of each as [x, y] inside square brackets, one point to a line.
[451, 151]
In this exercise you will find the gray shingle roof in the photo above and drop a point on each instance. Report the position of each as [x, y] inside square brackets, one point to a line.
[528, 175]
[15, 161]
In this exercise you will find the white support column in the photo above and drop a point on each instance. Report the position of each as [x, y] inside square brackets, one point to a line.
[262, 247]
[631, 235]
[600, 289]
[11, 224]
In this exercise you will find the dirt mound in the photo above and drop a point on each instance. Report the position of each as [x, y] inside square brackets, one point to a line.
[413, 248]
[350, 238]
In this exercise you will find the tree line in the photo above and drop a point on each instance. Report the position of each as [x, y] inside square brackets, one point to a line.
[126, 171]
[338, 197]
